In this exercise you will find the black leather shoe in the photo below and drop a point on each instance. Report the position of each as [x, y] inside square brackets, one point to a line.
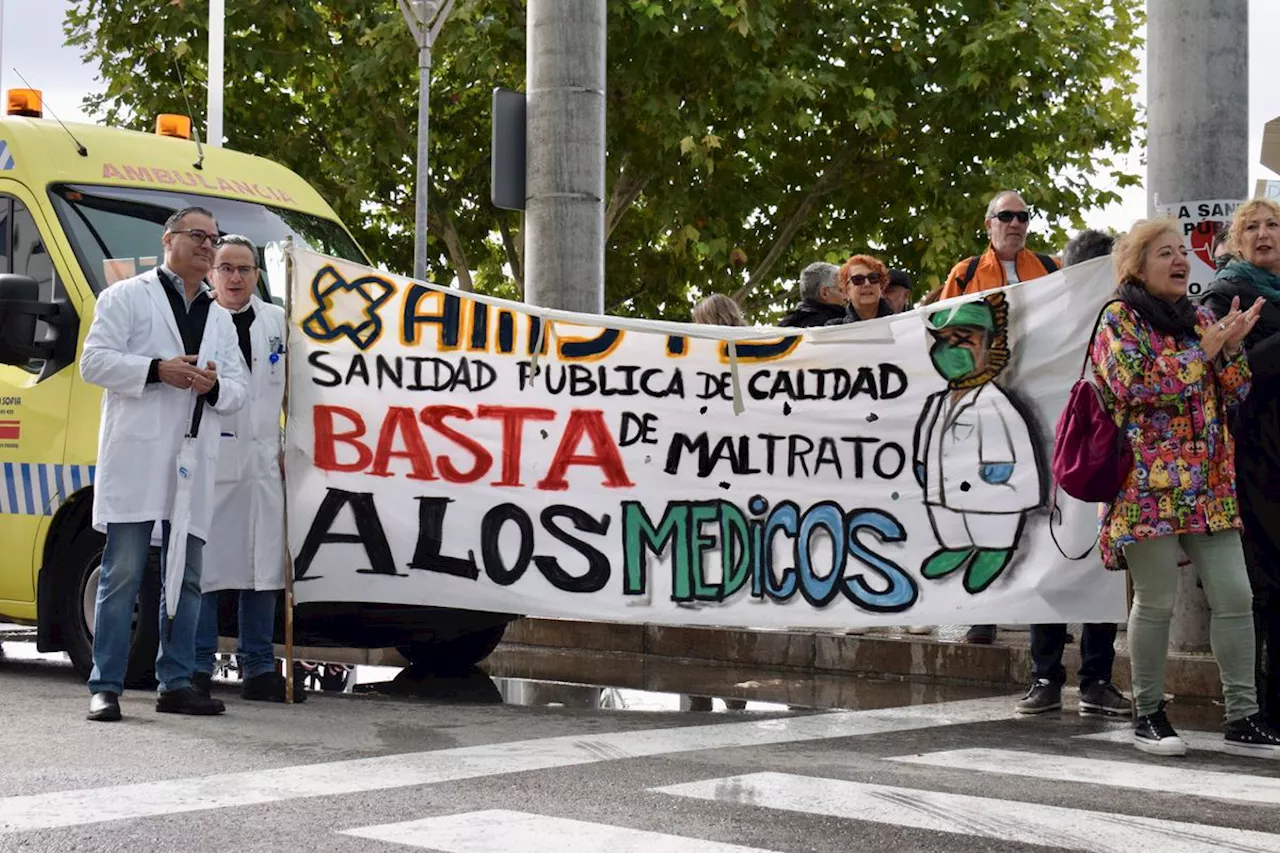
[104, 707]
[269, 687]
[188, 701]
[201, 682]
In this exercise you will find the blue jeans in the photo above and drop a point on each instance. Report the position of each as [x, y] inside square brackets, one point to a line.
[123, 564]
[1097, 652]
[257, 630]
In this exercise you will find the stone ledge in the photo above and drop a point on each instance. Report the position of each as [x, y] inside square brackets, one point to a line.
[922, 659]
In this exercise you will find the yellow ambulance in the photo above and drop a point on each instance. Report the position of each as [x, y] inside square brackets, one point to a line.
[82, 207]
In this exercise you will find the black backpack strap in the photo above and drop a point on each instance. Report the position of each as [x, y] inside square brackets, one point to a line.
[969, 272]
[1047, 261]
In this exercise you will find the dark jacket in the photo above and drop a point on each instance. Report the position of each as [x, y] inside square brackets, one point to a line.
[811, 313]
[1256, 428]
[851, 316]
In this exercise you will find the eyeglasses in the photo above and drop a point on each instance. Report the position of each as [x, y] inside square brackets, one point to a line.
[860, 279]
[197, 236]
[1010, 215]
[228, 269]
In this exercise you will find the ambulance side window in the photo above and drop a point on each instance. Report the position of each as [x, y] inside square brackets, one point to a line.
[24, 253]
[6, 234]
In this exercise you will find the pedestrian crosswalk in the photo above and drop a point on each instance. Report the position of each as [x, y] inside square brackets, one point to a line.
[1144, 776]
[893, 779]
[1005, 820]
[1014, 823]
[499, 830]
[1196, 741]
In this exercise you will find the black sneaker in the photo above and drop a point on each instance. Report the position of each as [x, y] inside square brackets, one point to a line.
[1252, 737]
[1152, 734]
[1103, 699]
[201, 682]
[1043, 696]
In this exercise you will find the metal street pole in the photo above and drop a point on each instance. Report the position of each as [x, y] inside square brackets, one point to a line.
[1197, 151]
[420, 15]
[565, 159]
[217, 52]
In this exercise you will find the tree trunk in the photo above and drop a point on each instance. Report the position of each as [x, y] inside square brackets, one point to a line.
[514, 250]
[828, 183]
[457, 255]
[626, 189]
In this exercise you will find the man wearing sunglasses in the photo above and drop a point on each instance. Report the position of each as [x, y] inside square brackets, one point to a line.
[1007, 259]
[158, 345]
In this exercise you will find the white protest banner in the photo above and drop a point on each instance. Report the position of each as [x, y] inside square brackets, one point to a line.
[464, 452]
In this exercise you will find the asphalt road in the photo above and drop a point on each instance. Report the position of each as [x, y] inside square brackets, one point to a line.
[375, 773]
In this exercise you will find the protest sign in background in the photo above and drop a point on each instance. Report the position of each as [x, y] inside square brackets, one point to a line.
[459, 452]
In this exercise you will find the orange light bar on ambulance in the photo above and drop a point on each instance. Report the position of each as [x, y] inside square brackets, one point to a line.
[176, 126]
[26, 102]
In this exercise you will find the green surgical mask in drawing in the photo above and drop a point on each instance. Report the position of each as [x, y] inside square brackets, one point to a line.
[951, 361]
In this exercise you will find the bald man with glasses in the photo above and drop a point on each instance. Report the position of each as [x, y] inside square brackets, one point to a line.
[1007, 259]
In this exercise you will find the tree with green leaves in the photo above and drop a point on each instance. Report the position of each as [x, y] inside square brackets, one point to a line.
[746, 138]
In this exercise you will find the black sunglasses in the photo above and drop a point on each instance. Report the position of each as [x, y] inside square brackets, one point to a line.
[1010, 215]
[859, 280]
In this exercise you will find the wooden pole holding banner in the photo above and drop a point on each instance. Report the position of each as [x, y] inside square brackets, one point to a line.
[284, 444]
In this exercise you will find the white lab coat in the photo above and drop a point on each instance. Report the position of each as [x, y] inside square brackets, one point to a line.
[143, 425]
[954, 442]
[247, 548]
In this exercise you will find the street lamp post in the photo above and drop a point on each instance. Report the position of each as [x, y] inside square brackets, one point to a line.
[425, 18]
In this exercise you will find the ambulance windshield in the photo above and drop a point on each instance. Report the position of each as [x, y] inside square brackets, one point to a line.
[116, 231]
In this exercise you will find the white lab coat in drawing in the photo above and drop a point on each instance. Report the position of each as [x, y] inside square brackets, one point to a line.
[143, 424]
[955, 442]
[247, 548]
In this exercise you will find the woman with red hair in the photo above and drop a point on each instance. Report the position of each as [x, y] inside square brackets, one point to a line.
[863, 280]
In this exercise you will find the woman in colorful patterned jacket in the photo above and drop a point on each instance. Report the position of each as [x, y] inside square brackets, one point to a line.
[1167, 371]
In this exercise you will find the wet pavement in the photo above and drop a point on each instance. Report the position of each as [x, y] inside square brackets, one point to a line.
[537, 677]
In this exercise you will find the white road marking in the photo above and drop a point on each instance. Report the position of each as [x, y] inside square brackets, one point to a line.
[1166, 777]
[1205, 741]
[1006, 820]
[501, 831]
[174, 796]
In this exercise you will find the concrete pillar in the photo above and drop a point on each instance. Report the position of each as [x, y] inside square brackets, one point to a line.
[1198, 100]
[1197, 150]
[564, 204]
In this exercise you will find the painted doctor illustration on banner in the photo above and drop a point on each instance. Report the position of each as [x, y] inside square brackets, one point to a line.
[974, 455]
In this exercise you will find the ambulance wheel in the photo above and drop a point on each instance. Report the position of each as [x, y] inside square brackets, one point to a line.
[81, 566]
[458, 655]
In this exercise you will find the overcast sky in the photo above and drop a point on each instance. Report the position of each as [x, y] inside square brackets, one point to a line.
[32, 43]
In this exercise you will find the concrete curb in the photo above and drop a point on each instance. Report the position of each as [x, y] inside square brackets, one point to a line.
[922, 659]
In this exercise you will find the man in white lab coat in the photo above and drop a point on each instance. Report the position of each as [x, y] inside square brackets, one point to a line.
[247, 551]
[973, 450]
[158, 343]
